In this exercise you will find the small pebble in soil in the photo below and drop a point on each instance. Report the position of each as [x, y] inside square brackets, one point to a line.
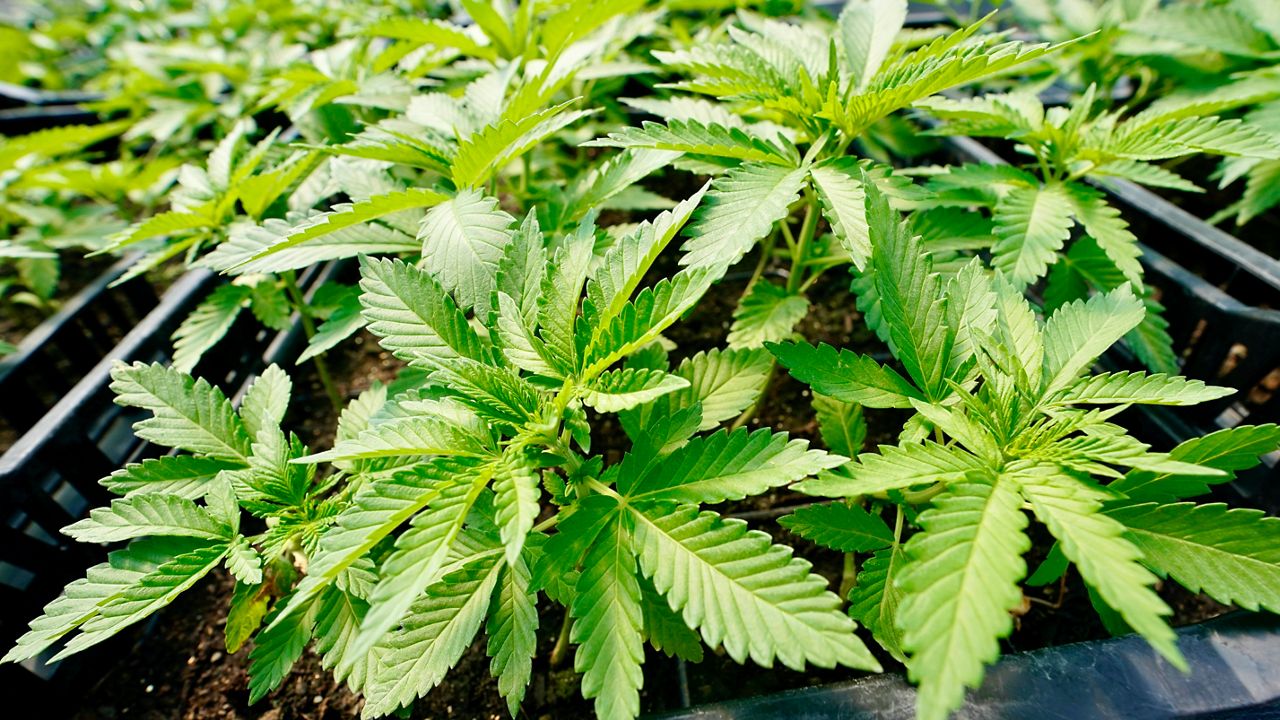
[317, 699]
[215, 657]
[151, 688]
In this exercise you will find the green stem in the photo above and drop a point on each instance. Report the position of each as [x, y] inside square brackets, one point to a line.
[561, 648]
[801, 249]
[808, 283]
[603, 489]
[766, 249]
[790, 238]
[547, 524]
[560, 445]
[1045, 172]
[765, 252]
[923, 496]
[309, 328]
[764, 391]
[849, 577]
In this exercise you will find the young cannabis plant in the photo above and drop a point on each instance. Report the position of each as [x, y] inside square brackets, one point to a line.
[35, 216]
[205, 206]
[817, 86]
[465, 497]
[1010, 426]
[1034, 207]
[512, 76]
[457, 148]
[181, 515]
[1105, 52]
[1239, 40]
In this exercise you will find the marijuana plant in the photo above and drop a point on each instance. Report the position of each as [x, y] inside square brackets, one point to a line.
[1009, 424]
[39, 212]
[427, 179]
[1210, 58]
[460, 499]
[181, 514]
[1034, 206]
[1239, 40]
[786, 86]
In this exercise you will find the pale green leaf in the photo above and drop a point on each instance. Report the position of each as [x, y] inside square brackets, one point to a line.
[744, 593]
[766, 313]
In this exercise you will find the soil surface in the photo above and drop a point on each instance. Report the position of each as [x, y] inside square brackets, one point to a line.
[177, 666]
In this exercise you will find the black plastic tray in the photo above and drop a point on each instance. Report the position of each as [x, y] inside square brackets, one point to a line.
[1235, 673]
[59, 351]
[24, 109]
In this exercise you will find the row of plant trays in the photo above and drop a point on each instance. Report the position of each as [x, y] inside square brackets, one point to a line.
[53, 357]
[1234, 660]
[1221, 318]
[49, 477]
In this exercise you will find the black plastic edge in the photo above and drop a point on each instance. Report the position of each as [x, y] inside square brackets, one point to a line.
[1249, 259]
[46, 330]
[179, 295]
[1235, 672]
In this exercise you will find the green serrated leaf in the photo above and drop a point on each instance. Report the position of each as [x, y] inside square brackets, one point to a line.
[958, 586]
[847, 528]
[843, 428]
[767, 313]
[740, 209]
[722, 466]
[207, 324]
[717, 574]
[414, 316]
[463, 240]
[188, 414]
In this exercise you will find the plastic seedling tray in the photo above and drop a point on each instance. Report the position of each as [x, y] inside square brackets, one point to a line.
[24, 109]
[59, 351]
[1235, 663]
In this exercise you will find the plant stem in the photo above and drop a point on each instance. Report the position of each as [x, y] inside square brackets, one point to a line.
[1045, 172]
[561, 648]
[751, 411]
[604, 489]
[790, 238]
[801, 248]
[849, 577]
[923, 496]
[766, 249]
[309, 328]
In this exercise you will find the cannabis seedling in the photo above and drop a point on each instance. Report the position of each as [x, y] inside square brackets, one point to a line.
[1033, 207]
[36, 220]
[462, 498]
[821, 87]
[1009, 424]
[181, 514]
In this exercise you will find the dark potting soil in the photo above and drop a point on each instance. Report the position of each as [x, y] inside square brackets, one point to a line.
[177, 666]
[354, 365]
